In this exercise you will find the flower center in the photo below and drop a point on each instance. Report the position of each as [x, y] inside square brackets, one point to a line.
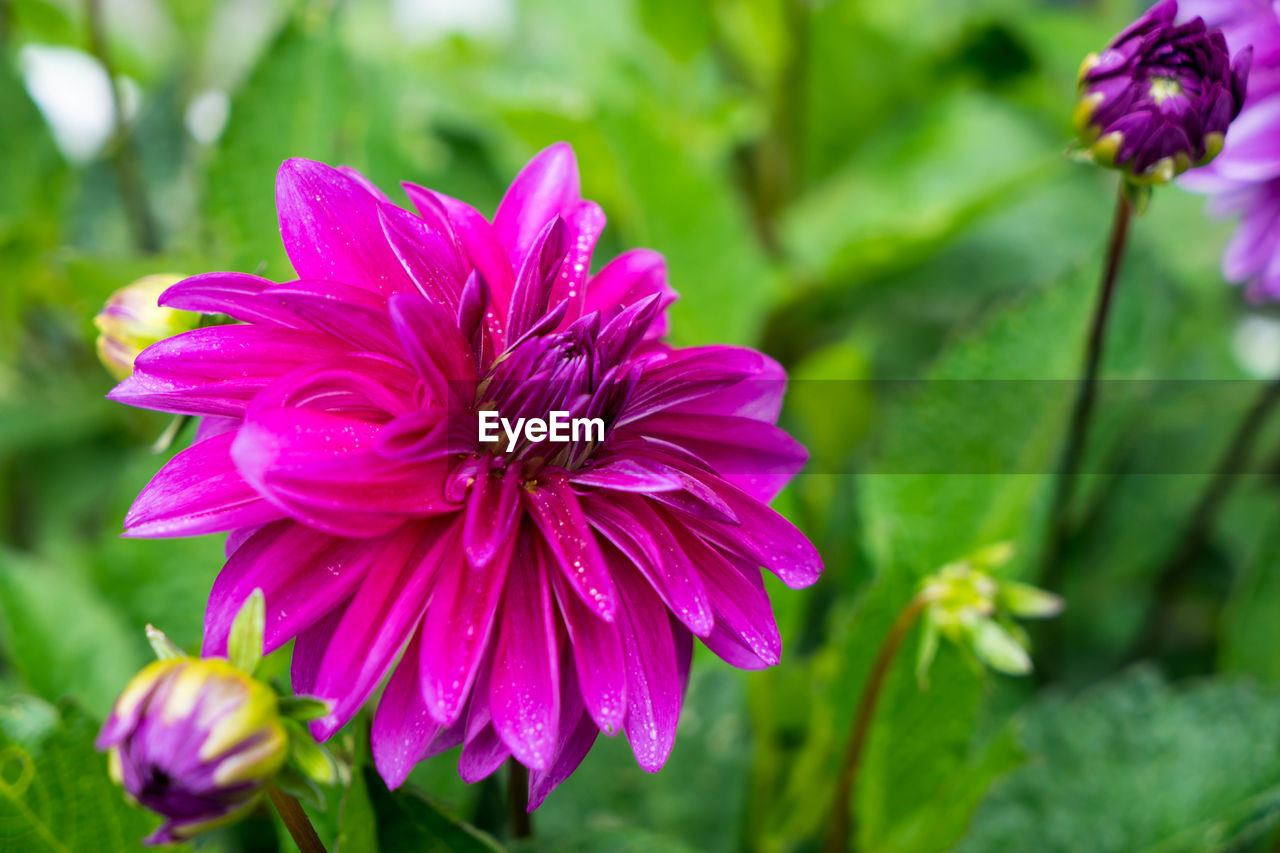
[1164, 88]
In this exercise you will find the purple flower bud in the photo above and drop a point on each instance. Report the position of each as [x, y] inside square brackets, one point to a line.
[1159, 99]
[133, 320]
[196, 741]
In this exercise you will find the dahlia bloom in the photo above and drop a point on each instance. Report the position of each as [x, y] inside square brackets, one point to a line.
[1245, 178]
[1158, 100]
[541, 591]
[196, 741]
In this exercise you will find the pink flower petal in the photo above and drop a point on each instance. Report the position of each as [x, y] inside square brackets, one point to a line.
[198, 491]
[545, 188]
[329, 223]
[557, 513]
[524, 689]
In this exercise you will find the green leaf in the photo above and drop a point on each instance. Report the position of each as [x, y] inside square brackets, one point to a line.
[56, 796]
[61, 636]
[274, 118]
[410, 821]
[1137, 766]
[357, 823]
[244, 644]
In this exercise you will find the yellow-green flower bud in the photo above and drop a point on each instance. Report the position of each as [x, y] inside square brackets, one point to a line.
[133, 320]
[195, 740]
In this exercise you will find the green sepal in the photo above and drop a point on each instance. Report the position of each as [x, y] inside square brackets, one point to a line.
[244, 645]
[292, 782]
[1138, 195]
[999, 649]
[303, 708]
[308, 757]
[164, 648]
[1028, 602]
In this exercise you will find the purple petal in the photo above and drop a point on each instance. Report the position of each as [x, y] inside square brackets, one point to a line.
[482, 755]
[545, 188]
[654, 682]
[598, 661]
[323, 469]
[429, 258]
[477, 238]
[557, 513]
[537, 278]
[198, 491]
[343, 311]
[627, 475]
[233, 293]
[402, 729]
[456, 630]
[585, 220]
[303, 575]
[218, 370]
[331, 231]
[631, 277]
[524, 687]
[386, 607]
[432, 343]
[493, 508]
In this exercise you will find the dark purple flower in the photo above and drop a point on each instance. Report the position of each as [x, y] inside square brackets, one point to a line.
[1159, 99]
[196, 741]
[535, 591]
[1244, 180]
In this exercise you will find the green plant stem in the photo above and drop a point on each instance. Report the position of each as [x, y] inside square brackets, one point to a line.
[1087, 391]
[518, 800]
[1233, 462]
[124, 159]
[296, 821]
[841, 823]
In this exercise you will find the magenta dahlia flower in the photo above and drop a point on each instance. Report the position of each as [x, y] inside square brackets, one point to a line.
[1158, 100]
[543, 584]
[1244, 180]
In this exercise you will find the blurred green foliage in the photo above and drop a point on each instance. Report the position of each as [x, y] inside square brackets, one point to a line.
[865, 189]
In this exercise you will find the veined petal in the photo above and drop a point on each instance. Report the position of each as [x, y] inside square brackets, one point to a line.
[329, 223]
[655, 690]
[235, 294]
[482, 755]
[524, 689]
[456, 631]
[631, 277]
[303, 574]
[198, 491]
[402, 729]
[640, 533]
[323, 469]
[431, 342]
[218, 370]
[557, 513]
[343, 311]
[428, 257]
[375, 626]
[545, 188]
[477, 238]
[493, 509]
[597, 659]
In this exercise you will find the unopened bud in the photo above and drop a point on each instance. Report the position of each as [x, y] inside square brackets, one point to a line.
[133, 320]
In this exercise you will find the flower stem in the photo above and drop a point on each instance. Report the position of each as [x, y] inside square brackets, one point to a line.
[296, 821]
[518, 800]
[1200, 522]
[840, 824]
[123, 156]
[1087, 392]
